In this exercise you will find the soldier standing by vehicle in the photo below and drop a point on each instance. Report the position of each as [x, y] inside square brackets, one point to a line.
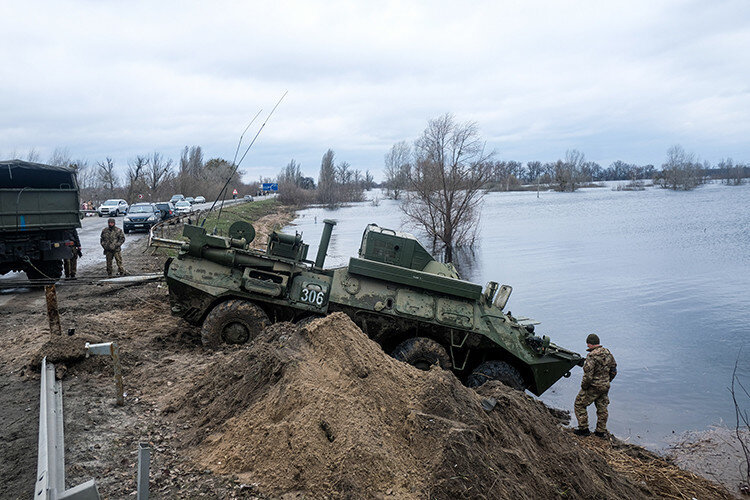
[70, 266]
[112, 239]
[599, 370]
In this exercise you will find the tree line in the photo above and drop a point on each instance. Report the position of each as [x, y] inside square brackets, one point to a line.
[443, 175]
[337, 183]
[680, 171]
[151, 177]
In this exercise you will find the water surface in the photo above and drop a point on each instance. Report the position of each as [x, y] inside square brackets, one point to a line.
[663, 277]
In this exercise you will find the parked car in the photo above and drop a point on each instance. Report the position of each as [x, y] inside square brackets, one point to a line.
[166, 208]
[190, 199]
[200, 199]
[176, 198]
[113, 208]
[248, 197]
[183, 207]
[141, 216]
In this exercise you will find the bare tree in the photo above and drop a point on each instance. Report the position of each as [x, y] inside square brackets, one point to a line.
[327, 180]
[60, 158]
[680, 171]
[135, 176]
[158, 173]
[397, 167]
[84, 173]
[106, 175]
[450, 172]
[191, 170]
[369, 180]
[33, 155]
[534, 171]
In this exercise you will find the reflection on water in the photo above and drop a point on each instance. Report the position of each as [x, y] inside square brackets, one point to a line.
[662, 277]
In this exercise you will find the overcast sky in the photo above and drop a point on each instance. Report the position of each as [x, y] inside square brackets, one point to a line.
[614, 79]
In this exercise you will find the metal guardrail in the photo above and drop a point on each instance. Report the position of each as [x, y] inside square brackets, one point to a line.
[50, 477]
[110, 349]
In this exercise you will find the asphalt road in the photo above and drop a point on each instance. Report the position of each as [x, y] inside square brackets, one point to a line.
[93, 262]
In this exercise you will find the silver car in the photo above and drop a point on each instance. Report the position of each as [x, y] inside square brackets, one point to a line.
[113, 208]
[183, 207]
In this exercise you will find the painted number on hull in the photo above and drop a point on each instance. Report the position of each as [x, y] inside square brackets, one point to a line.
[312, 297]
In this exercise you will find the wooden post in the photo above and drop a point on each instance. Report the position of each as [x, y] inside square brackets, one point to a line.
[53, 314]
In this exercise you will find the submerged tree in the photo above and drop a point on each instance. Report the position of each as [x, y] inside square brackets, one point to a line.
[327, 180]
[397, 169]
[680, 171]
[449, 174]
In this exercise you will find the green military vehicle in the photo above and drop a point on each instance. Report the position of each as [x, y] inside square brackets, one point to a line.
[416, 308]
[39, 214]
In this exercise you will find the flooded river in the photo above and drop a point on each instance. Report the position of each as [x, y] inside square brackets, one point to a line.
[663, 277]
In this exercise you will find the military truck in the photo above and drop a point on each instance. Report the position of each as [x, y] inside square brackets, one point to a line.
[418, 309]
[39, 214]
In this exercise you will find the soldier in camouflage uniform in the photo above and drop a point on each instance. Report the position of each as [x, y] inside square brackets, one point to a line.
[112, 239]
[599, 370]
[70, 266]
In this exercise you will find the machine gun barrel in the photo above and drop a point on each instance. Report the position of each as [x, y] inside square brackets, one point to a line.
[234, 258]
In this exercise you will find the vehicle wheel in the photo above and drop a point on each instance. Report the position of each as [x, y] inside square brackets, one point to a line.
[422, 352]
[234, 322]
[100, 215]
[497, 370]
[126, 231]
[44, 270]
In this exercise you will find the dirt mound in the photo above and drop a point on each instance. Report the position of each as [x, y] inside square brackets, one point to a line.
[322, 411]
[66, 349]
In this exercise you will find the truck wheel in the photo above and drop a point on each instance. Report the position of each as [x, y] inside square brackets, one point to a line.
[422, 352]
[44, 270]
[234, 322]
[497, 370]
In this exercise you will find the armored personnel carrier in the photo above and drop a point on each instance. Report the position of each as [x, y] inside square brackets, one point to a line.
[416, 308]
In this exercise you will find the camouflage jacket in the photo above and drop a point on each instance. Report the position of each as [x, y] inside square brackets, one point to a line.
[112, 238]
[599, 369]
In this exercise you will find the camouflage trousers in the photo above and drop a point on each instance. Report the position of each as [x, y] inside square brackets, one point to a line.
[70, 266]
[584, 399]
[118, 259]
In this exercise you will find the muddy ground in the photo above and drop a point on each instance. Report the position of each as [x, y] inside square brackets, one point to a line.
[307, 412]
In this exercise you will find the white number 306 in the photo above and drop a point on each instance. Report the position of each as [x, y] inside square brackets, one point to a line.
[312, 297]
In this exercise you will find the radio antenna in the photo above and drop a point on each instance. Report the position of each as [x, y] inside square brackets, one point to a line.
[239, 143]
[238, 163]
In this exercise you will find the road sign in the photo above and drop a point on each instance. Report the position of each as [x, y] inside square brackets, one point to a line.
[140, 196]
[235, 192]
[270, 186]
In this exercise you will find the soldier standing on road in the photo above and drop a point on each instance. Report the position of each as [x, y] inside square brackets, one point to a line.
[112, 239]
[599, 370]
[70, 266]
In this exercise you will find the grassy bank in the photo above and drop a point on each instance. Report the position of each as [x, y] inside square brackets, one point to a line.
[250, 211]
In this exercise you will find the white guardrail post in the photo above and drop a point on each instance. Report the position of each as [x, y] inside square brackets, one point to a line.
[50, 476]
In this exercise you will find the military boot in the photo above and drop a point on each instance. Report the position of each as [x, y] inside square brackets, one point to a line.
[582, 432]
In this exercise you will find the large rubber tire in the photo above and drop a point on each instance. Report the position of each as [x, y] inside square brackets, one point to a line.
[497, 370]
[422, 353]
[233, 322]
[43, 270]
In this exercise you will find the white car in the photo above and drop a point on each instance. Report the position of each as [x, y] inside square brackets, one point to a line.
[113, 208]
[183, 207]
[199, 199]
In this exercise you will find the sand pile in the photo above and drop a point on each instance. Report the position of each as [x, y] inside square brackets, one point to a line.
[322, 411]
